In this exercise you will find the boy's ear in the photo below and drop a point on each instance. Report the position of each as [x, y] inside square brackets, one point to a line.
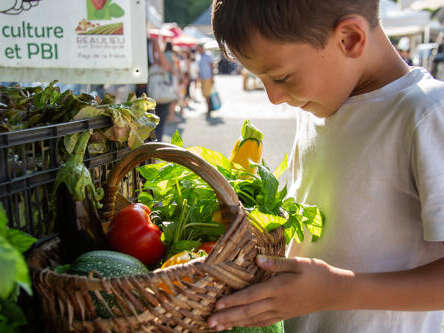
[351, 35]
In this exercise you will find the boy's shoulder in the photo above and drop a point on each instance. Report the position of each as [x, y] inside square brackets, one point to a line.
[425, 91]
[423, 96]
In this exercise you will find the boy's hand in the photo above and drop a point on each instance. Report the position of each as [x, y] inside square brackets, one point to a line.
[301, 286]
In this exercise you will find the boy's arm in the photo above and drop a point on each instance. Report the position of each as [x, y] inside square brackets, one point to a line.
[305, 285]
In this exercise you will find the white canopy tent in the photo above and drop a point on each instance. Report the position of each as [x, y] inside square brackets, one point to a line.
[402, 22]
[422, 4]
[153, 18]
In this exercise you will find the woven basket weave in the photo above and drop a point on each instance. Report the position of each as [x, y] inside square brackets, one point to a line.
[140, 306]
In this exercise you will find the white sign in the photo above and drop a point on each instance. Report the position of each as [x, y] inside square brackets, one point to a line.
[85, 41]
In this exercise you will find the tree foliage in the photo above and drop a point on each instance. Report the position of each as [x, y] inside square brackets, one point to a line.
[184, 12]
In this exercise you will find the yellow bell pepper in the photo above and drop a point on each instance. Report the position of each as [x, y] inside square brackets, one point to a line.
[177, 259]
[248, 147]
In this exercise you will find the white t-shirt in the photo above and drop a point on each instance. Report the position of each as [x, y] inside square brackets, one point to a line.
[375, 168]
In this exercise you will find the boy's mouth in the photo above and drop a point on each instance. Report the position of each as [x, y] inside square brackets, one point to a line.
[305, 105]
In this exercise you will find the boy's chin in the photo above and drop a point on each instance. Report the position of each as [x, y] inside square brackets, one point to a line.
[317, 110]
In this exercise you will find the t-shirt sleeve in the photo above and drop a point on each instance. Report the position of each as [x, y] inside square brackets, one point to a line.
[428, 169]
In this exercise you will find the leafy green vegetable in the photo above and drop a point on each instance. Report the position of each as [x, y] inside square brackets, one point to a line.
[37, 106]
[132, 121]
[281, 168]
[213, 157]
[76, 176]
[14, 273]
[177, 195]
[177, 139]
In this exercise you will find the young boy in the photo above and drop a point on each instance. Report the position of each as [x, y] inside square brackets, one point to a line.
[369, 151]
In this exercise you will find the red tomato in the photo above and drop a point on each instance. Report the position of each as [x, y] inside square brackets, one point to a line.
[207, 246]
[132, 232]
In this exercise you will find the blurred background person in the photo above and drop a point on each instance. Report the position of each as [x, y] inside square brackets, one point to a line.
[206, 74]
[162, 109]
[175, 73]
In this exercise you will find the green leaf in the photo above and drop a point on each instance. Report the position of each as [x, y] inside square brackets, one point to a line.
[13, 269]
[89, 112]
[280, 197]
[293, 229]
[151, 171]
[145, 198]
[269, 187]
[61, 269]
[267, 222]
[213, 157]
[281, 168]
[183, 245]
[177, 139]
[173, 172]
[11, 316]
[168, 232]
[313, 221]
[70, 142]
[116, 11]
[20, 240]
[3, 221]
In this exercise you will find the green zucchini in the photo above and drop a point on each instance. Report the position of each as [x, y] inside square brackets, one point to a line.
[109, 264]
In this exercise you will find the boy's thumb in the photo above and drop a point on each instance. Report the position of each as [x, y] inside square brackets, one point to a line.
[277, 264]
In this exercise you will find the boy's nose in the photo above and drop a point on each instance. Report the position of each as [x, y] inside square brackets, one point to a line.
[276, 94]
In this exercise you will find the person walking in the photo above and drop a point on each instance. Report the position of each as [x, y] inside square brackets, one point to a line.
[162, 109]
[206, 75]
[175, 73]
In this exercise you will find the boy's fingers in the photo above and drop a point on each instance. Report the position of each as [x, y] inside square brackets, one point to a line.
[264, 322]
[248, 295]
[278, 264]
[261, 320]
[241, 315]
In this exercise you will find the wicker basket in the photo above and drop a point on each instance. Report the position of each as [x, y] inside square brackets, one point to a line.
[140, 305]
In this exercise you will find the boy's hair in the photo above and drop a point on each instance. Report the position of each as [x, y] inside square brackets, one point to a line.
[306, 21]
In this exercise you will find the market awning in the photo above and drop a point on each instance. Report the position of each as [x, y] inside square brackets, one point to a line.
[160, 33]
[422, 4]
[184, 41]
[398, 22]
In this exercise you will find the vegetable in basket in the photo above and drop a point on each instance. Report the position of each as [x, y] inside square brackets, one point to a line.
[106, 264]
[248, 147]
[207, 247]
[178, 259]
[76, 201]
[186, 208]
[132, 232]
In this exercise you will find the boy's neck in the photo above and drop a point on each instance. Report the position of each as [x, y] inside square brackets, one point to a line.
[384, 65]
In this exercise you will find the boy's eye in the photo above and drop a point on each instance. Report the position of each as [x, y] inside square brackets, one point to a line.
[281, 79]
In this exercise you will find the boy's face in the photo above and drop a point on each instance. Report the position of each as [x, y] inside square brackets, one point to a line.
[316, 80]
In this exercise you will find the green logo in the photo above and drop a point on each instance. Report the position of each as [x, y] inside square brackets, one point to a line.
[103, 10]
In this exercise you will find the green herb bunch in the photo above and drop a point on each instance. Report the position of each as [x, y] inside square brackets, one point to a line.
[184, 204]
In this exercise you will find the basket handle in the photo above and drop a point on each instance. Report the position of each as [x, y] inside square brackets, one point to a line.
[228, 200]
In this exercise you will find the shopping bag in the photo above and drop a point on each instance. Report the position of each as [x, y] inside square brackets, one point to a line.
[215, 102]
[160, 85]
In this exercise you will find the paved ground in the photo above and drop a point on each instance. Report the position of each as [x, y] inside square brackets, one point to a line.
[222, 130]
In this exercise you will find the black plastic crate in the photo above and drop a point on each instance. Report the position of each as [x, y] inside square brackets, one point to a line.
[28, 168]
